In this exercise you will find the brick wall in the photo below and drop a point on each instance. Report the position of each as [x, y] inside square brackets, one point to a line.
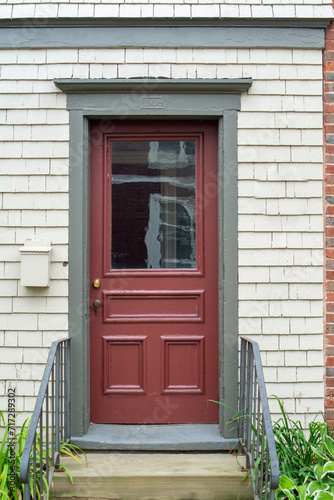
[329, 219]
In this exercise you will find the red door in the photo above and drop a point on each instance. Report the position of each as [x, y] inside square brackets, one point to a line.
[154, 285]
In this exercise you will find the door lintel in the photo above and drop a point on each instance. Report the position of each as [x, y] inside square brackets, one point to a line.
[149, 85]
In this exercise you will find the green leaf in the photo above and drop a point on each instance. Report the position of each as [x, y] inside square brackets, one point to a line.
[315, 487]
[318, 470]
[302, 489]
[5, 494]
[324, 495]
[288, 494]
[286, 483]
[68, 472]
[329, 445]
[328, 467]
[4, 475]
[318, 452]
[69, 453]
[280, 495]
[2, 452]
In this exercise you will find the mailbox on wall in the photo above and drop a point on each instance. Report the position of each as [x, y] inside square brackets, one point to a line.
[35, 263]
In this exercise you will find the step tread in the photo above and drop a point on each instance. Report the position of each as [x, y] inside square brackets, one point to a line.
[155, 464]
[153, 476]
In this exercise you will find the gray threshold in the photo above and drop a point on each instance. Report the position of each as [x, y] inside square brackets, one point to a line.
[173, 437]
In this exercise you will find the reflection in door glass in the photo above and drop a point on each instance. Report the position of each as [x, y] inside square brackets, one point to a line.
[153, 205]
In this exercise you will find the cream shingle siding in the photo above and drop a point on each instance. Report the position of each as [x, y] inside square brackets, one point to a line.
[167, 9]
[280, 224]
[280, 192]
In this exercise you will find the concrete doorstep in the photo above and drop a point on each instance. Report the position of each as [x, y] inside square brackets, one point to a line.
[153, 476]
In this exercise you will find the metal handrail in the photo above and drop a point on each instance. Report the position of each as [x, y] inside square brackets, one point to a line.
[50, 423]
[255, 428]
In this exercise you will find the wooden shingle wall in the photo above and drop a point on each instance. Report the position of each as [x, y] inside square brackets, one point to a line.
[166, 9]
[280, 141]
[280, 201]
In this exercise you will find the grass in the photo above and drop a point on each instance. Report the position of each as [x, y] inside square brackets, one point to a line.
[11, 450]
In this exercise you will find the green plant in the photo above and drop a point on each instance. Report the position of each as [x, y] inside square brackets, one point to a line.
[322, 488]
[306, 458]
[10, 460]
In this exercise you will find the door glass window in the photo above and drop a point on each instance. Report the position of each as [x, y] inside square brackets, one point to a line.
[153, 205]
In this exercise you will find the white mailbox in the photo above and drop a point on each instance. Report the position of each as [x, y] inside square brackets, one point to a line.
[35, 263]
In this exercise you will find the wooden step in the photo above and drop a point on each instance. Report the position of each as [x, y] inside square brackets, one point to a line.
[154, 476]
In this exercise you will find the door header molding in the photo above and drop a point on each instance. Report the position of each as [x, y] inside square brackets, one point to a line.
[163, 85]
[157, 97]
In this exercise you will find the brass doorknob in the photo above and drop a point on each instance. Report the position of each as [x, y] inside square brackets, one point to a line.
[97, 303]
[96, 283]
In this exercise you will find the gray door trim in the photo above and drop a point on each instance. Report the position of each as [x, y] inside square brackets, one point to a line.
[200, 104]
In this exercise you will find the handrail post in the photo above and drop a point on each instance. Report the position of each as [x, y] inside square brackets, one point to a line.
[68, 397]
[57, 405]
[57, 376]
[27, 490]
[249, 404]
[242, 389]
[255, 428]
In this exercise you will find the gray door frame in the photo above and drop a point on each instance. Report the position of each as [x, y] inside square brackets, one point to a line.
[152, 98]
